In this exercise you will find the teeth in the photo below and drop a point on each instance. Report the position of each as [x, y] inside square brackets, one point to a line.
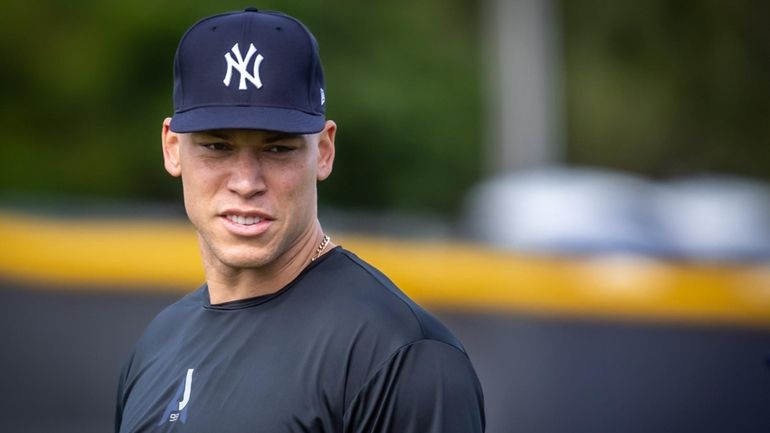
[246, 221]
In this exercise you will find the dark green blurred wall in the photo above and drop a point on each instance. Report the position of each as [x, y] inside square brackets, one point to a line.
[657, 87]
[669, 88]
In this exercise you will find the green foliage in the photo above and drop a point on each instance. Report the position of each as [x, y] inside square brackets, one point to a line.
[88, 84]
[657, 87]
[668, 88]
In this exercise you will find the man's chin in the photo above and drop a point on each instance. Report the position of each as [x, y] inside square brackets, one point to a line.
[242, 256]
[245, 261]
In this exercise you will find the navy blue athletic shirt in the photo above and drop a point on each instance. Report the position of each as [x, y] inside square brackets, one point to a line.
[338, 350]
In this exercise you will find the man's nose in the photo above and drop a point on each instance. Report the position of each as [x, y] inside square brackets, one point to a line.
[246, 178]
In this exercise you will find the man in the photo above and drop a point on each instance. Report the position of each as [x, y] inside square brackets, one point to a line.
[290, 333]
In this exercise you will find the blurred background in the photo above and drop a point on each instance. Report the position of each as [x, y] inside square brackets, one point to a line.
[579, 189]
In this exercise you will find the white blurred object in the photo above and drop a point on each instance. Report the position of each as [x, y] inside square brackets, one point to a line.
[563, 210]
[716, 218]
[560, 210]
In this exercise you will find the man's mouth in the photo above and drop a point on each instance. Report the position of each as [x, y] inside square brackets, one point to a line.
[244, 220]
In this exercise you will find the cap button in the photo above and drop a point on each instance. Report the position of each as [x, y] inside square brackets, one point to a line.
[251, 9]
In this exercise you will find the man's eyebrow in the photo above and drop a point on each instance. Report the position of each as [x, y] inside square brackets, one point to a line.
[278, 136]
[216, 134]
[269, 137]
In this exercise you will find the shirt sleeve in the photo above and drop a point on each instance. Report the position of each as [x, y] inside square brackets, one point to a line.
[121, 395]
[426, 387]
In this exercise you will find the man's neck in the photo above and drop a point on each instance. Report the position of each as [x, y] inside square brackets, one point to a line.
[227, 284]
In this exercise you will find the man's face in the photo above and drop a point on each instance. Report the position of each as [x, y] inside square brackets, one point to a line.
[251, 194]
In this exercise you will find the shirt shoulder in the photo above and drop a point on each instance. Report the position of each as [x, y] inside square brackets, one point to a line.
[165, 326]
[368, 317]
[364, 293]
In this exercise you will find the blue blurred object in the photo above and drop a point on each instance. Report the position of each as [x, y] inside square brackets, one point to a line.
[716, 218]
[563, 210]
[580, 210]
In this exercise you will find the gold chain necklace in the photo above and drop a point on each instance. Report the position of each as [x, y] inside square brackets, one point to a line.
[321, 247]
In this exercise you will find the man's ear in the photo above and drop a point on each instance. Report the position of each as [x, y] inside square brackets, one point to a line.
[170, 143]
[326, 150]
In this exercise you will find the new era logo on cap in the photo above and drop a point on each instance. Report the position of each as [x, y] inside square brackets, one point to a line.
[248, 70]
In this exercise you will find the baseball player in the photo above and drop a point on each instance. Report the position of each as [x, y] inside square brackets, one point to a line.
[290, 332]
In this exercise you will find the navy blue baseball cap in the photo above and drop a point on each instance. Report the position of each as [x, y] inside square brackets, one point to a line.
[248, 70]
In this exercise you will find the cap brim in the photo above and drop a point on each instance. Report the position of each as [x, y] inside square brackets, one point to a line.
[247, 117]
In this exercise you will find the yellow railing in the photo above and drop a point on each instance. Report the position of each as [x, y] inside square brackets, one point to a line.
[135, 254]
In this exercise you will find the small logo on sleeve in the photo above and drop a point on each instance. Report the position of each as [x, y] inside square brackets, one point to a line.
[177, 407]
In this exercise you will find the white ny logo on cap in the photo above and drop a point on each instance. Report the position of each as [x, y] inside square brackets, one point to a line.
[241, 66]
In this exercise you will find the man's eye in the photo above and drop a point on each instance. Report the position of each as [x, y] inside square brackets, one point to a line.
[216, 146]
[279, 149]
